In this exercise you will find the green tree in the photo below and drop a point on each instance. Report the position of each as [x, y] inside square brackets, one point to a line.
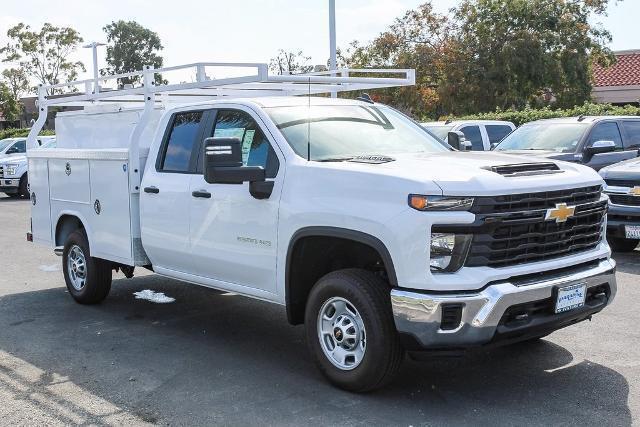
[14, 84]
[9, 105]
[490, 54]
[288, 62]
[17, 81]
[131, 47]
[513, 53]
[414, 40]
[44, 54]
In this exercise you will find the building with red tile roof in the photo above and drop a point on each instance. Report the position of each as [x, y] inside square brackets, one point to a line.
[619, 83]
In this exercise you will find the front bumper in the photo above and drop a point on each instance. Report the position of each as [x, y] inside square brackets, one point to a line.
[496, 313]
[619, 216]
[9, 185]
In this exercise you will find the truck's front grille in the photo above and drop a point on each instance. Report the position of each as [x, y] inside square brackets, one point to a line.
[512, 229]
[624, 199]
[622, 182]
[539, 200]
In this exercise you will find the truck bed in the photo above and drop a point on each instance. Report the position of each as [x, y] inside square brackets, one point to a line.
[93, 185]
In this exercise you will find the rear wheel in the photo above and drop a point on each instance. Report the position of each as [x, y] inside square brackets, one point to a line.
[619, 244]
[350, 330]
[23, 189]
[88, 279]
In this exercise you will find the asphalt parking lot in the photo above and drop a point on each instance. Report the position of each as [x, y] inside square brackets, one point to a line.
[211, 357]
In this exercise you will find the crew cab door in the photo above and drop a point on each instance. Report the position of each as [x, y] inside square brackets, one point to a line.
[165, 195]
[233, 234]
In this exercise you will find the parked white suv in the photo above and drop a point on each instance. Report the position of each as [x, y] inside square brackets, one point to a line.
[482, 134]
[373, 234]
[14, 181]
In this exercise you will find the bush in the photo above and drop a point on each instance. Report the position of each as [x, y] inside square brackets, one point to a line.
[17, 133]
[530, 114]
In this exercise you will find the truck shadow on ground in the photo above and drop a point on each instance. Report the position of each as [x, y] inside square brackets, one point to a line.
[213, 357]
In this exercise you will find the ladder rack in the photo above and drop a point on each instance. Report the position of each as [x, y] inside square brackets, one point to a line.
[256, 83]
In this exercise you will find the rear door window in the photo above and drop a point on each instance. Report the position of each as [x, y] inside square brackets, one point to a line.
[179, 154]
[607, 131]
[632, 132]
[472, 133]
[497, 132]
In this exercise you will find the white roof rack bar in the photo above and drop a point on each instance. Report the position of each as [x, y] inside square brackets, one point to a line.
[259, 83]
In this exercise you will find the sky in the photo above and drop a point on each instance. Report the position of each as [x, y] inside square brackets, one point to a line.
[250, 30]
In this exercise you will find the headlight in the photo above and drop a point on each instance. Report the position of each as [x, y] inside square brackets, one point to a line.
[448, 251]
[440, 203]
[11, 169]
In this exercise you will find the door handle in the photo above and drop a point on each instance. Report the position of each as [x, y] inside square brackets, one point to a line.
[202, 194]
[154, 190]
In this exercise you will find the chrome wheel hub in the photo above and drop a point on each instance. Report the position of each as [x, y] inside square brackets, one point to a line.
[77, 267]
[341, 333]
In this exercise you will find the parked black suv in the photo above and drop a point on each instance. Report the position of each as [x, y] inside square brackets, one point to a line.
[593, 141]
[623, 188]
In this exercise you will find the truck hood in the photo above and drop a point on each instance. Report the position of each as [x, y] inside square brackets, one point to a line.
[21, 158]
[470, 173]
[6, 157]
[629, 169]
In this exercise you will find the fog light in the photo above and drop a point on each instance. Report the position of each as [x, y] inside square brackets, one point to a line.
[448, 251]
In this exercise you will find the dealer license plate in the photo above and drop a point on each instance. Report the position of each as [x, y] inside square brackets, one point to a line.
[632, 231]
[570, 297]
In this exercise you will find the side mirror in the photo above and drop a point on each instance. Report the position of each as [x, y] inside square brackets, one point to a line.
[598, 147]
[456, 139]
[223, 163]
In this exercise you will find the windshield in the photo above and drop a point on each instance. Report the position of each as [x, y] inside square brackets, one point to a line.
[439, 131]
[559, 137]
[340, 132]
[4, 143]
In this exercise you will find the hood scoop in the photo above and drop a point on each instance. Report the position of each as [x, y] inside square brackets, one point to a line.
[525, 169]
[376, 160]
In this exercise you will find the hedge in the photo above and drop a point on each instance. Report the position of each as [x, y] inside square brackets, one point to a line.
[530, 114]
[17, 133]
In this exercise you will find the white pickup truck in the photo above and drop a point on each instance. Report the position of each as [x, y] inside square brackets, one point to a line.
[369, 231]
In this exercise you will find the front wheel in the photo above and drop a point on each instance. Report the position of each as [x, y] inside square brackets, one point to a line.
[88, 279]
[23, 189]
[350, 330]
[619, 244]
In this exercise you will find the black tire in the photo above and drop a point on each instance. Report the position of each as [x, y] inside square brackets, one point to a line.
[97, 272]
[23, 189]
[619, 244]
[383, 354]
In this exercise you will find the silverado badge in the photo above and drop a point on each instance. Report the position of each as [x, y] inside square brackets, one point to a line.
[635, 191]
[560, 213]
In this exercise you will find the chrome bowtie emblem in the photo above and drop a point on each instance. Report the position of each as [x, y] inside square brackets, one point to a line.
[67, 169]
[560, 213]
[635, 191]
